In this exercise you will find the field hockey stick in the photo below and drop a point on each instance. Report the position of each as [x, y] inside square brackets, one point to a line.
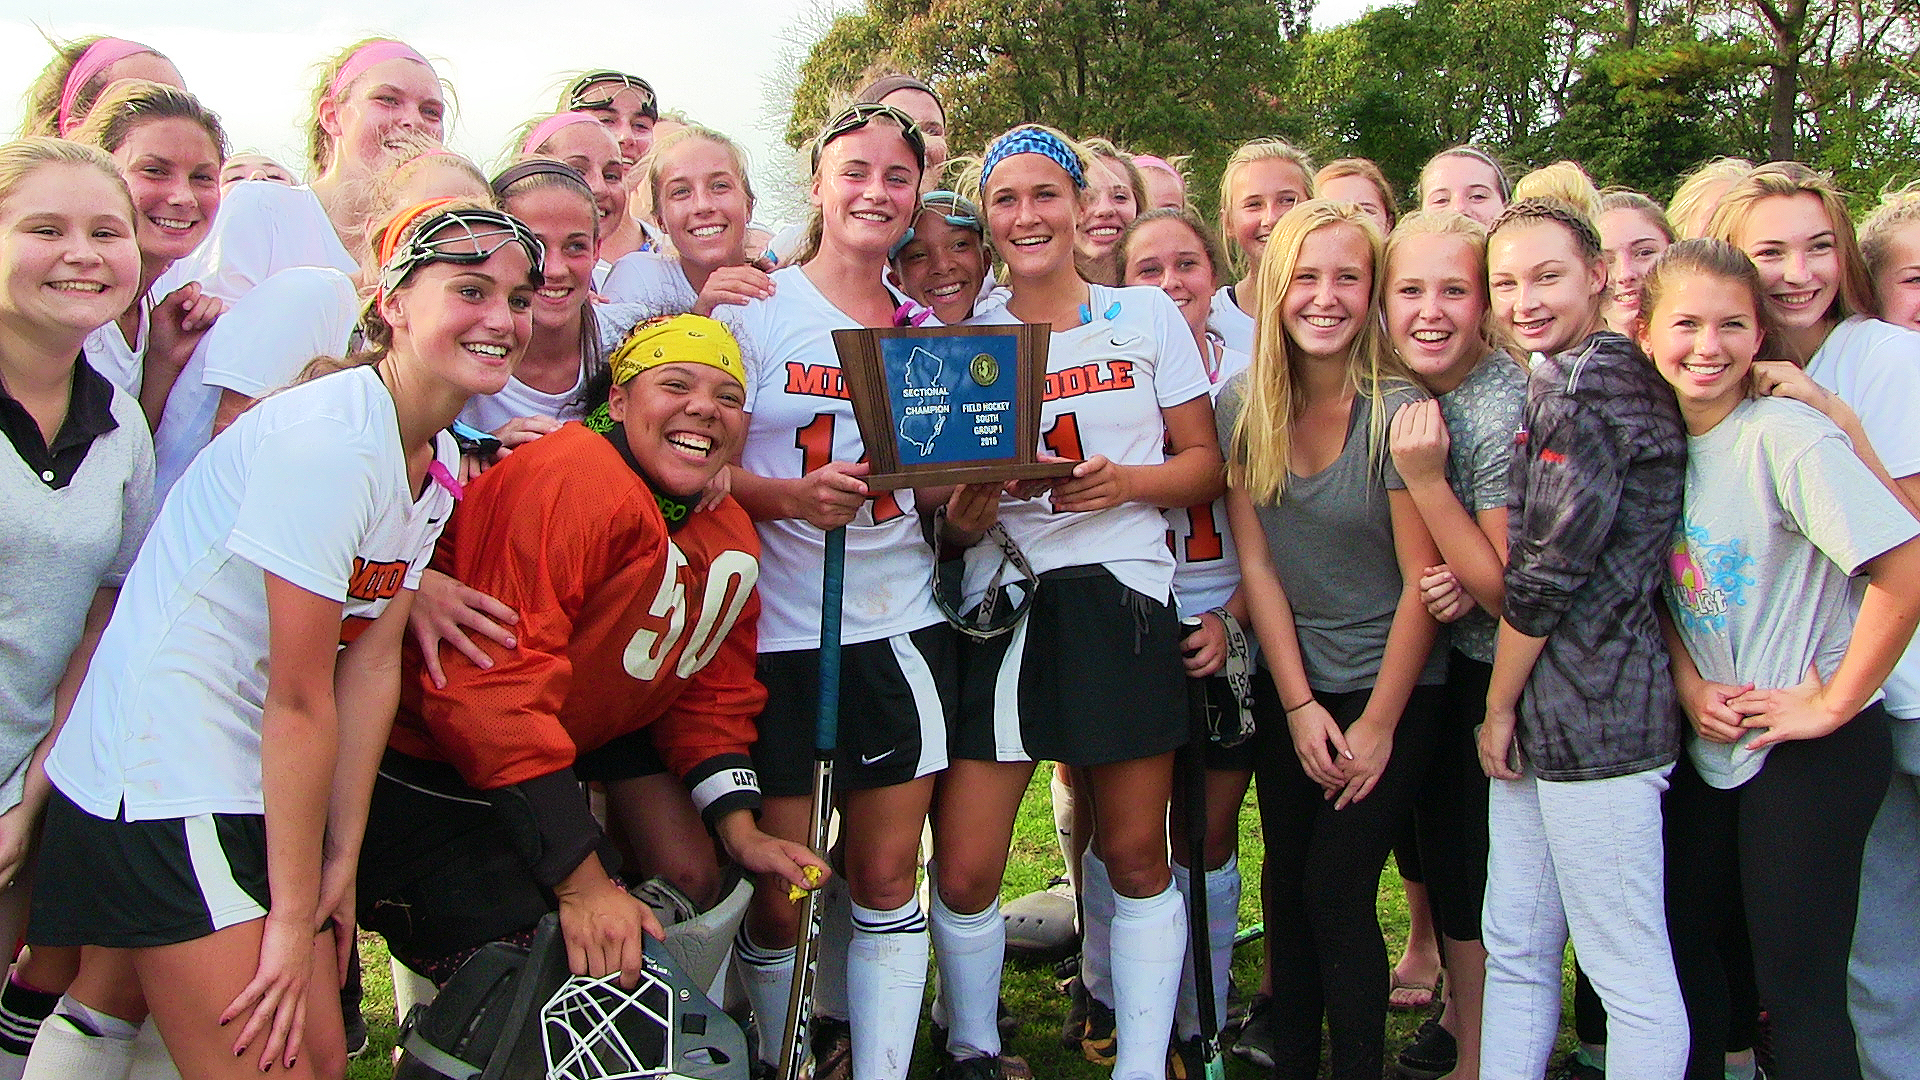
[826, 726]
[1199, 934]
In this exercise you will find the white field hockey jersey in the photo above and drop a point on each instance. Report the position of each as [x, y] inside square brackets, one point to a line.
[1206, 564]
[261, 344]
[263, 228]
[310, 485]
[802, 419]
[1229, 322]
[1106, 384]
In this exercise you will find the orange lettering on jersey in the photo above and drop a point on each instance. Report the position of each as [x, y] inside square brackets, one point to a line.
[1088, 379]
[376, 580]
[815, 380]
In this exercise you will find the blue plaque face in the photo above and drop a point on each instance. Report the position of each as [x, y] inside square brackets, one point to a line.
[953, 397]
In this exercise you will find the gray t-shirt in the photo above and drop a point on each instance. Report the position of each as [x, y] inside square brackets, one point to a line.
[1482, 415]
[1779, 513]
[1331, 540]
[57, 548]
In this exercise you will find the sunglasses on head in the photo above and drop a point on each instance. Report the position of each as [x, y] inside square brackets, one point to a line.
[577, 99]
[855, 117]
[465, 237]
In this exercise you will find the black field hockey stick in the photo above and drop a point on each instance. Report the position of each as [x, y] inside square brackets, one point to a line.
[1199, 934]
[826, 727]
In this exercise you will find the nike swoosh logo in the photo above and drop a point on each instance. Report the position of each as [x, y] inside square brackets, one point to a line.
[1121, 343]
[865, 760]
[435, 521]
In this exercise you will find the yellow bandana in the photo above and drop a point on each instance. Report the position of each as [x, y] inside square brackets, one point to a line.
[677, 339]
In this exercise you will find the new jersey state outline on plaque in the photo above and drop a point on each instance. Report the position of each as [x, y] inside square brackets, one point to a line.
[926, 413]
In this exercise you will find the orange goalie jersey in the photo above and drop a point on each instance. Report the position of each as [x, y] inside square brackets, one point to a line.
[622, 625]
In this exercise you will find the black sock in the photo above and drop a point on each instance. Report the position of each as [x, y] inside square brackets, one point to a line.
[22, 1008]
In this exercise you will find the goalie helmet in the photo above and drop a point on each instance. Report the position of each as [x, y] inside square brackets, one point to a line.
[514, 1013]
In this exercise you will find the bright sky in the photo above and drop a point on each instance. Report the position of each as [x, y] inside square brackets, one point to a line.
[254, 62]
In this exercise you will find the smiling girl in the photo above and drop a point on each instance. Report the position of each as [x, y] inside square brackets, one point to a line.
[1466, 180]
[703, 200]
[1453, 454]
[944, 266]
[1780, 516]
[1586, 749]
[307, 521]
[1116, 193]
[591, 149]
[626, 106]
[78, 496]
[372, 103]
[1096, 659]
[1793, 224]
[636, 628]
[169, 148]
[1173, 250]
[799, 475]
[1263, 180]
[1344, 706]
[1633, 233]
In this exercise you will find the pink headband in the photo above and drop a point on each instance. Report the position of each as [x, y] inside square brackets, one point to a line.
[97, 58]
[546, 129]
[365, 57]
[1148, 161]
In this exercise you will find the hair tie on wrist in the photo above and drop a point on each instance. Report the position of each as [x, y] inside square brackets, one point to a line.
[1298, 707]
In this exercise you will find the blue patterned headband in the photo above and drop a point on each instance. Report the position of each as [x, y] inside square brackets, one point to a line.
[1033, 140]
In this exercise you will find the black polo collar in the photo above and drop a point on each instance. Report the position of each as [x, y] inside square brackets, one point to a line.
[89, 416]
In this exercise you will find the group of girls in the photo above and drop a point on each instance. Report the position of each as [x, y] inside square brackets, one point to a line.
[1472, 506]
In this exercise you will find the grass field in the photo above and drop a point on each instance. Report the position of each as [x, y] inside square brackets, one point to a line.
[1029, 990]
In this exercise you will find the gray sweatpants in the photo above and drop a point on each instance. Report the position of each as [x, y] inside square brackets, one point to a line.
[1583, 857]
[1884, 972]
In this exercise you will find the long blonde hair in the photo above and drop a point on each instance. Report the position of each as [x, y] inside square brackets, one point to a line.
[1785, 179]
[1246, 154]
[1260, 450]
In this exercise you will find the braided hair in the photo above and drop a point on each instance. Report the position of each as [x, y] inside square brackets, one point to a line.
[1526, 211]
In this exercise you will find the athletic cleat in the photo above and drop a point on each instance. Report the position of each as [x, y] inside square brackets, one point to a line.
[1004, 1067]
[1185, 1059]
[1433, 1053]
[1075, 1027]
[1098, 1044]
[1254, 1043]
[832, 1047]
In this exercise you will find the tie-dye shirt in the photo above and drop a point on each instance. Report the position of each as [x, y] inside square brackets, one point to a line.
[1598, 469]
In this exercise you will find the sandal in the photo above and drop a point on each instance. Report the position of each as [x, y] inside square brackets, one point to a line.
[1412, 996]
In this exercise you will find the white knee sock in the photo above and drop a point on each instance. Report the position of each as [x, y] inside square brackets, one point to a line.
[1223, 919]
[1063, 826]
[767, 975]
[970, 950]
[1096, 906]
[80, 1042]
[1149, 939]
[886, 978]
[836, 933]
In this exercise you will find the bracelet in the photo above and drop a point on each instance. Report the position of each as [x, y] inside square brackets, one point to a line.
[1298, 707]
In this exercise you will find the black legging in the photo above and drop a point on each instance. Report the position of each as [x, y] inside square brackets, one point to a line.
[1787, 843]
[1322, 879]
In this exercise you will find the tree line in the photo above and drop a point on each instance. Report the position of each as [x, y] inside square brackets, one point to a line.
[1639, 91]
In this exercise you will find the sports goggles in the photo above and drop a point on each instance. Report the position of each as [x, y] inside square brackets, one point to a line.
[1008, 594]
[577, 99]
[464, 236]
[854, 117]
